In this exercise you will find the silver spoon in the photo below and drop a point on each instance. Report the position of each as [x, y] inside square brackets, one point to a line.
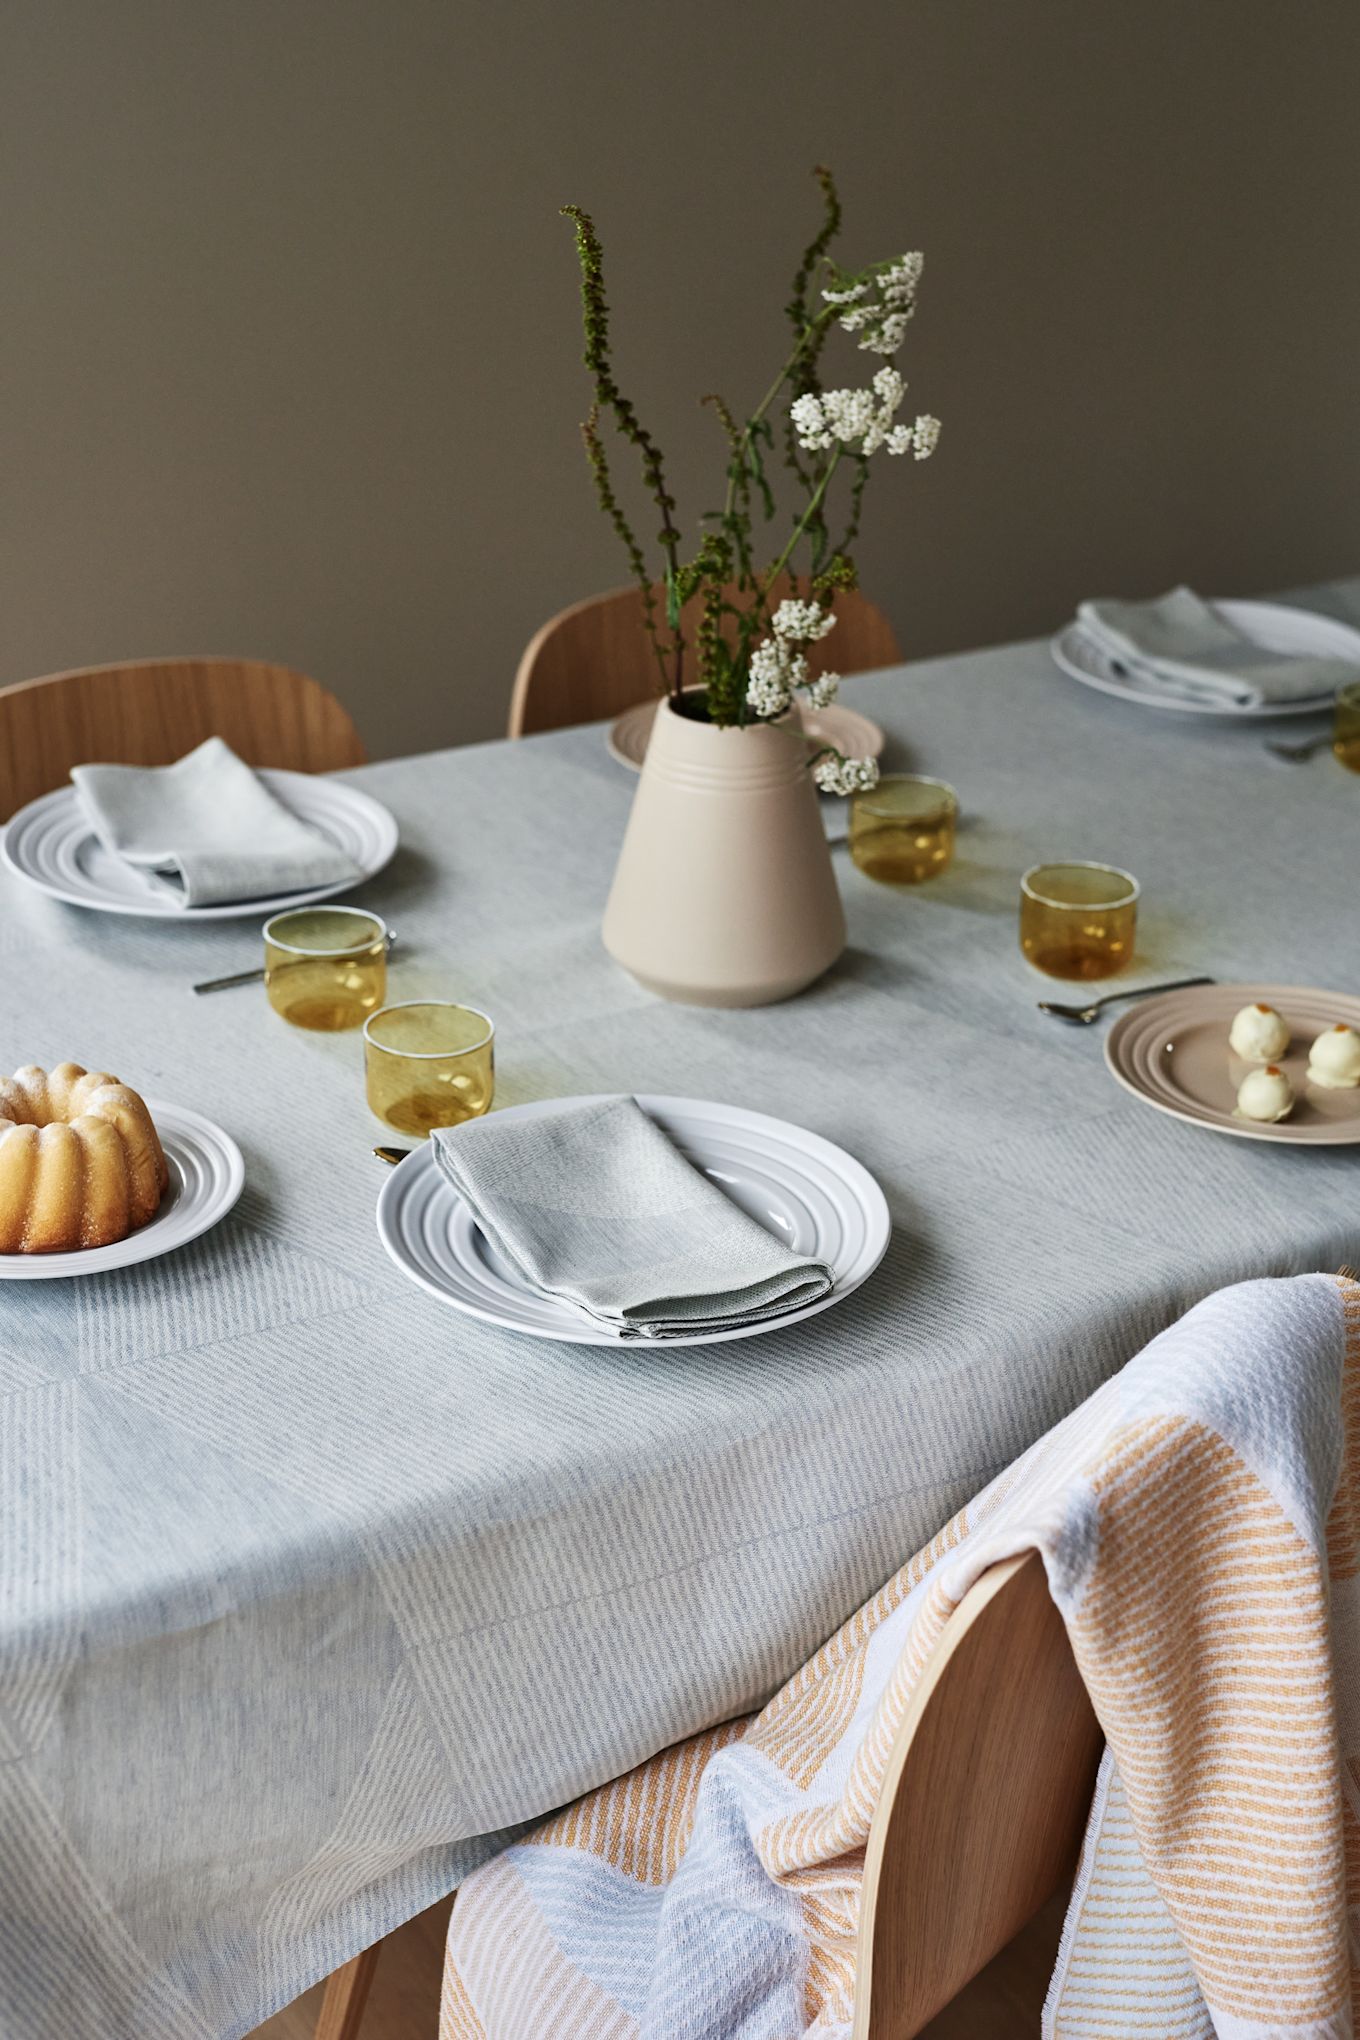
[254, 977]
[1084, 1015]
[1297, 753]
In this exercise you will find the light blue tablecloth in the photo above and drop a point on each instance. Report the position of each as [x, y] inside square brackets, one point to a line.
[309, 1586]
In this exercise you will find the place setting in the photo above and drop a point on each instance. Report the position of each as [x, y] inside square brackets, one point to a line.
[1242, 661]
[586, 1220]
[205, 839]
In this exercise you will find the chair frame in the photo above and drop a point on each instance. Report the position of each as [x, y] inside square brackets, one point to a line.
[151, 711]
[342, 2007]
[984, 1803]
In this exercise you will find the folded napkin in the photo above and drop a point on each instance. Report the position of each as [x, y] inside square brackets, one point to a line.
[594, 1206]
[1183, 648]
[207, 829]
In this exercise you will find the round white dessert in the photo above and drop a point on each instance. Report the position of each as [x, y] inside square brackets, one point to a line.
[1334, 1059]
[1258, 1034]
[1265, 1094]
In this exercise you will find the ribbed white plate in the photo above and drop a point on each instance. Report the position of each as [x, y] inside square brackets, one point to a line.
[51, 844]
[812, 1195]
[206, 1175]
[1273, 624]
[1173, 1053]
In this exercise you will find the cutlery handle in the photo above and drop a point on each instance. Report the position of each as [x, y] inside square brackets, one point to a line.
[253, 977]
[1298, 754]
[1147, 991]
[242, 977]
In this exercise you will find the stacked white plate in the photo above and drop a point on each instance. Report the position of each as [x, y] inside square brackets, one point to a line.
[1274, 625]
[51, 845]
[809, 1193]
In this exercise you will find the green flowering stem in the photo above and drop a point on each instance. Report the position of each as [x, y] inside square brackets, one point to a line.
[857, 489]
[796, 311]
[816, 326]
[608, 396]
[814, 505]
[609, 503]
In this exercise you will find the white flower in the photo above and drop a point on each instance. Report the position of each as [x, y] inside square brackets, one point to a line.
[767, 699]
[925, 434]
[822, 691]
[774, 673]
[898, 282]
[861, 419]
[890, 390]
[888, 334]
[802, 623]
[809, 422]
[835, 774]
[881, 303]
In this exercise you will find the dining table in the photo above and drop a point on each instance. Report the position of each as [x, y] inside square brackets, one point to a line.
[314, 1591]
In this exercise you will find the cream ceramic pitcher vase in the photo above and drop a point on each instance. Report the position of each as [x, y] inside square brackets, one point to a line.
[724, 893]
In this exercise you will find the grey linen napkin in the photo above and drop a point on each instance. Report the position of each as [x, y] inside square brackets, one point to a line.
[593, 1205]
[1182, 647]
[206, 830]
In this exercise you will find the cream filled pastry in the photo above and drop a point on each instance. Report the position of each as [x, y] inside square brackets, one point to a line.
[1265, 1094]
[1334, 1059]
[1258, 1034]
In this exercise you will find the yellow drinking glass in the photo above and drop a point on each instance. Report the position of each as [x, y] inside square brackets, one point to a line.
[429, 1064]
[325, 967]
[1346, 730]
[902, 830]
[1078, 920]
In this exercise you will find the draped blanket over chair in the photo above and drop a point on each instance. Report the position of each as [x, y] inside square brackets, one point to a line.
[1199, 1521]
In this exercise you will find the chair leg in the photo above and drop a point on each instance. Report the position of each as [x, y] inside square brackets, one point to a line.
[342, 2008]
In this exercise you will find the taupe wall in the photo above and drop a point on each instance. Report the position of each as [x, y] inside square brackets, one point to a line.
[289, 361]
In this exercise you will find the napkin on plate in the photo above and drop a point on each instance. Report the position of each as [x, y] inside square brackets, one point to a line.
[206, 830]
[1181, 646]
[594, 1206]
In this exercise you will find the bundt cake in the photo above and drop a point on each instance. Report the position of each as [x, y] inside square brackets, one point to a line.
[80, 1161]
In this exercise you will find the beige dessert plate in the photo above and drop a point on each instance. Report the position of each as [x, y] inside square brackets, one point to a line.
[1173, 1053]
[844, 728]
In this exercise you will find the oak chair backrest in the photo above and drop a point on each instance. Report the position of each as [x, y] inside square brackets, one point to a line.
[153, 711]
[595, 660]
[984, 1802]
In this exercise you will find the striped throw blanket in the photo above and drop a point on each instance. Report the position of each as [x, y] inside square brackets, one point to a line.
[1199, 1520]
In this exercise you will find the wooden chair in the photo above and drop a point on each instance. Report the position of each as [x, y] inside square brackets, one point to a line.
[984, 1803]
[342, 2007]
[151, 712]
[594, 659]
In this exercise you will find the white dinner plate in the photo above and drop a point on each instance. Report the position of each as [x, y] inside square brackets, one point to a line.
[1300, 632]
[206, 1175]
[1173, 1053]
[849, 732]
[812, 1195]
[51, 844]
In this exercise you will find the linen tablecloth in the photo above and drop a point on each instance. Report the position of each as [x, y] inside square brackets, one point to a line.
[311, 1589]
